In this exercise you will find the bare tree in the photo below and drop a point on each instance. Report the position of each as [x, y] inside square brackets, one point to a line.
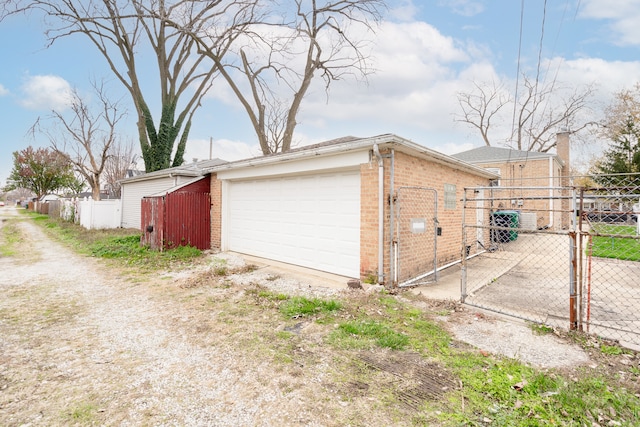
[85, 136]
[122, 30]
[274, 61]
[119, 163]
[624, 108]
[537, 113]
[481, 107]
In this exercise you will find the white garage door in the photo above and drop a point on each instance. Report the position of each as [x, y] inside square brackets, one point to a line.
[311, 220]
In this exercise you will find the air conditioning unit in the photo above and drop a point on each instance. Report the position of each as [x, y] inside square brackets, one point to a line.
[528, 220]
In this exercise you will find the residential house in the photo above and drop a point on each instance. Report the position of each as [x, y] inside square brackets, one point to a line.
[531, 183]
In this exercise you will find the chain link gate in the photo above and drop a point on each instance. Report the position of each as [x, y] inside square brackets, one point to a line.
[416, 231]
[567, 257]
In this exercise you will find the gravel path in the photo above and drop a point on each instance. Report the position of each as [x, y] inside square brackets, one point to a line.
[81, 346]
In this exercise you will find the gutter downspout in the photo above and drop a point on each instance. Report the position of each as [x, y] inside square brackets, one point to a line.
[376, 152]
[551, 184]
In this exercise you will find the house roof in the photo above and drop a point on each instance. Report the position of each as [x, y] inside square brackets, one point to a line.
[350, 144]
[499, 155]
[195, 169]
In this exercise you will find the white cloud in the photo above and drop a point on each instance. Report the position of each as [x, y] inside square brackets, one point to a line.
[418, 73]
[3, 91]
[224, 149]
[610, 76]
[464, 7]
[403, 10]
[46, 92]
[623, 14]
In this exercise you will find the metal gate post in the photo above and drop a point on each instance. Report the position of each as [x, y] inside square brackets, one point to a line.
[573, 269]
[463, 264]
[573, 312]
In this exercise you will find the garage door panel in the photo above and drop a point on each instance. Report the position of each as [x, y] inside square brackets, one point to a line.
[311, 220]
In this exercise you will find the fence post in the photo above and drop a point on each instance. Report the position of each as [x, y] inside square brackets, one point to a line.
[573, 322]
[463, 264]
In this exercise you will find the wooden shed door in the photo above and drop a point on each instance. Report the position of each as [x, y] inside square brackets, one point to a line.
[152, 217]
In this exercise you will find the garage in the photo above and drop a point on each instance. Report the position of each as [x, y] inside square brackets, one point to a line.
[311, 220]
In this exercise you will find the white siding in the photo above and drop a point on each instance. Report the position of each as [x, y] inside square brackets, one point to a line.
[133, 192]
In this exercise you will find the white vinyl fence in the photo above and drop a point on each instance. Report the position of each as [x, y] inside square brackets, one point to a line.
[92, 214]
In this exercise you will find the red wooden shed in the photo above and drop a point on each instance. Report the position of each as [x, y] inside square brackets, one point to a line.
[180, 216]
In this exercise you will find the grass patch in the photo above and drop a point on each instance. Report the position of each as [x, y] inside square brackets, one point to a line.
[611, 350]
[121, 245]
[620, 245]
[11, 238]
[540, 329]
[301, 306]
[505, 392]
[82, 414]
[363, 334]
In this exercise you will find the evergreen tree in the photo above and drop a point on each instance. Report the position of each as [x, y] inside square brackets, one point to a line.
[623, 156]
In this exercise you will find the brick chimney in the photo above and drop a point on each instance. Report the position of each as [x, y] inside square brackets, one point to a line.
[564, 151]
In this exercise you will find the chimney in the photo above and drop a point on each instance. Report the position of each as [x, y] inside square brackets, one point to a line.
[563, 150]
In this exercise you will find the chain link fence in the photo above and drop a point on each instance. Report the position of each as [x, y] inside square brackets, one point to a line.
[566, 256]
[416, 235]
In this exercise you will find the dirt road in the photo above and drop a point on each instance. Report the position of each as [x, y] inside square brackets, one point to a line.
[81, 344]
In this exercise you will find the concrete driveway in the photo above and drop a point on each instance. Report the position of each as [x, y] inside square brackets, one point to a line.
[529, 278]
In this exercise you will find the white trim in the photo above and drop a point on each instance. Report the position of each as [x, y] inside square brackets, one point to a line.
[348, 160]
[357, 144]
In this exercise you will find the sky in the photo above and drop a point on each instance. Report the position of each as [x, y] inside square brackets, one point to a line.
[424, 53]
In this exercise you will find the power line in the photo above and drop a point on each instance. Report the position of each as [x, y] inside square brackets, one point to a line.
[537, 81]
[515, 101]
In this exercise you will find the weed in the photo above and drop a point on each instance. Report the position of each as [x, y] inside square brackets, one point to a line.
[301, 306]
[611, 350]
[220, 270]
[83, 414]
[362, 334]
[371, 279]
[540, 329]
[273, 296]
[10, 238]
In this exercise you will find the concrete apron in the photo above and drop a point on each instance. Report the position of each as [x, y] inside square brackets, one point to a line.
[447, 288]
[308, 276]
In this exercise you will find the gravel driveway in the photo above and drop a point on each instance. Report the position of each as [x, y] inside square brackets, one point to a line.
[83, 344]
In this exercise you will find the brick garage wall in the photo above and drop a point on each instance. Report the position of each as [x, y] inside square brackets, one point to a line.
[411, 171]
[369, 220]
[216, 212]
